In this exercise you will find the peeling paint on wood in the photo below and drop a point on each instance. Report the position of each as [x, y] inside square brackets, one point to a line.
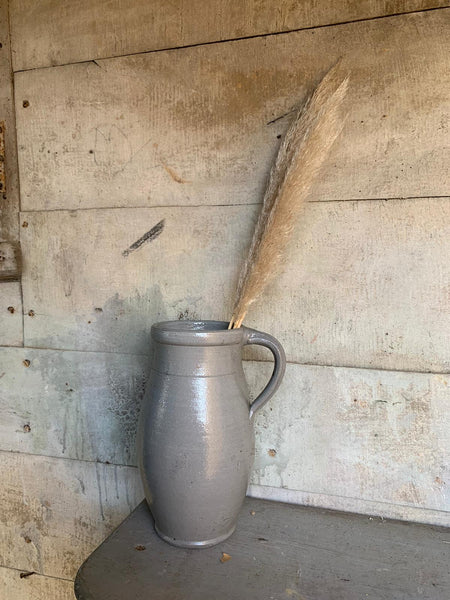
[365, 283]
[46, 34]
[64, 512]
[96, 137]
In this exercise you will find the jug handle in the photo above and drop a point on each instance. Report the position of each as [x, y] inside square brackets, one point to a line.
[251, 336]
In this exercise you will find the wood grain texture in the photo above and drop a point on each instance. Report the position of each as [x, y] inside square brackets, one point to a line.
[365, 283]
[329, 434]
[55, 512]
[9, 192]
[34, 587]
[278, 551]
[11, 331]
[373, 435]
[47, 33]
[201, 125]
[71, 404]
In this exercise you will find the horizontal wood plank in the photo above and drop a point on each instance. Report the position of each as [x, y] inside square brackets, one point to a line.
[329, 433]
[33, 587]
[377, 436]
[365, 283]
[202, 125]
[11, 330]
[47, 33]
[71, 404]
[55, 512]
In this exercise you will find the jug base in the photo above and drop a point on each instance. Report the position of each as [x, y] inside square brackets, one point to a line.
[186, 544]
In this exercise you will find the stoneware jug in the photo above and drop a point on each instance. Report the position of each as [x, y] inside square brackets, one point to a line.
[196, 440]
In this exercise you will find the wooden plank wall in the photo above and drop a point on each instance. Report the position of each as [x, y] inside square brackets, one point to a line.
[11, 321]
[185, 130]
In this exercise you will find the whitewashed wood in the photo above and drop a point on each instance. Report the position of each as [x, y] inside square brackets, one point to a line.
[71, 404]
[192, 126]
[46, 32]
[9, 194]
[354, 439]
[34, 587]
[366, 282]
[64, 507]
[11, 332]
[187, 271]
[376, 436]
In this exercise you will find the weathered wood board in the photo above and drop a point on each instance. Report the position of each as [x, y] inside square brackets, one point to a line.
[11, 326]
[46, 33]
[11, 331]
[201, 125]
[71, 404]
[277, 552]
[33, 587]
[9, 192]
[376, 436]
[366, 284]
[373, 435]
[55, 512]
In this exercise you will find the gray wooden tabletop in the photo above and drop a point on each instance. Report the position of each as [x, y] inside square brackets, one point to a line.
[279, 551]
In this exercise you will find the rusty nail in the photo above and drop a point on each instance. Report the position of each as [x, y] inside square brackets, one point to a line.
[27, 574]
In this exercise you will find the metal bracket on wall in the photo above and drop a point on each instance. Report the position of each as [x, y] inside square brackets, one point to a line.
[10, 255]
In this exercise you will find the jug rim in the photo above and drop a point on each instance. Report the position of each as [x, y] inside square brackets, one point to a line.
[196, 333]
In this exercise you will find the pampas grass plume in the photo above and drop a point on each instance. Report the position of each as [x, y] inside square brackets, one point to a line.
[304, 148]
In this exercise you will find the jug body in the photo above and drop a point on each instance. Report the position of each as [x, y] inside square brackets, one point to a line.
[196, 440]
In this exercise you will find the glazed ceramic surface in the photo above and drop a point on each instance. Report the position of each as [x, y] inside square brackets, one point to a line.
[196, 440]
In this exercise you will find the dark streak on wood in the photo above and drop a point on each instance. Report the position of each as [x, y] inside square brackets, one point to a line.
[2, 158]
[281, 117]
[27, 574]
[147, 237]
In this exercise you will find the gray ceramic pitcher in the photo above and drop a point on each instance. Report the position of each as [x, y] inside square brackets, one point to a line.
[196, 440]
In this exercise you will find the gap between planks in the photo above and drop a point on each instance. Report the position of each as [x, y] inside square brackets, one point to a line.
[35, 573]
[237, 39]
[67, 458]
[255, 360]
[155, 206]
[289, 496]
